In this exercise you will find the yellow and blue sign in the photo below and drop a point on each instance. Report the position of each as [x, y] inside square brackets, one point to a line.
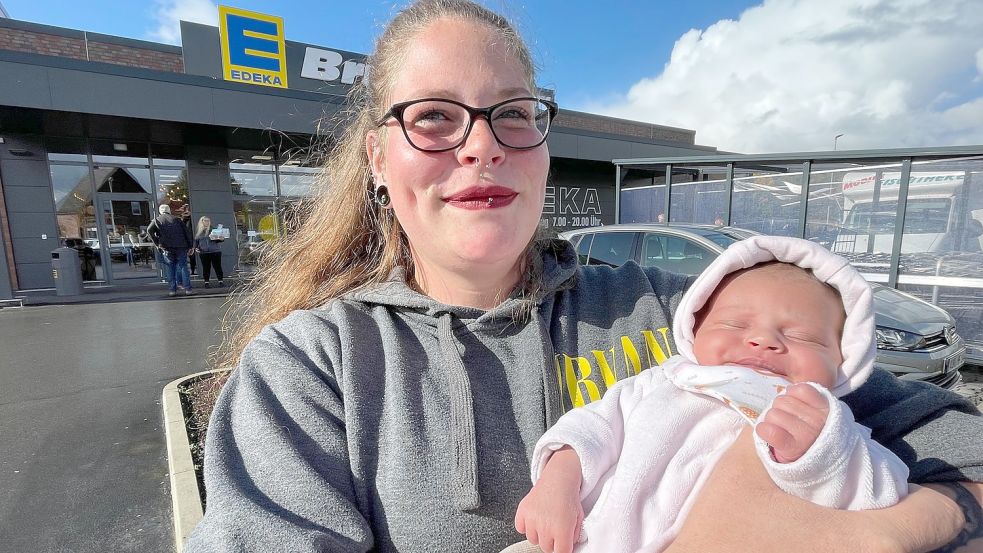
[253, 48]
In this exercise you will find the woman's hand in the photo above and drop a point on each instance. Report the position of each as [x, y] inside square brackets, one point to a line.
[741, 509]
[550, 515]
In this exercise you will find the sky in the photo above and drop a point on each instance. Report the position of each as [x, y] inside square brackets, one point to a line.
[748, 76]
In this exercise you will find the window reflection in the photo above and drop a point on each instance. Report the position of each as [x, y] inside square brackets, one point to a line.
[75, 212]
[768, 199]
[257, 227]
[122, 179]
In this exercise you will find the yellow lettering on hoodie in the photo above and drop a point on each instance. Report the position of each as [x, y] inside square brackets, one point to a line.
[574, 383]
[633, 363]
[607, 369]
[654, 353]
[576, 375]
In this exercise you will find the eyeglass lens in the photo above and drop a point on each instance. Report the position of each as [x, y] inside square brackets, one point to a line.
[438, 125]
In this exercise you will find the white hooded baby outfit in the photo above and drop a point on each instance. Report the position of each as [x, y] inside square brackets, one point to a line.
[649, 444]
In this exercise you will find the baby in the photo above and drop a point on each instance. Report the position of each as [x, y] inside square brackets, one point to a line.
[769, 335]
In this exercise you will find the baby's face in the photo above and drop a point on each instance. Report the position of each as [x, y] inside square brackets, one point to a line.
[777, 320]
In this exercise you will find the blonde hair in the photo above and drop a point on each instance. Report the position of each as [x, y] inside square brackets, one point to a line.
[204, 226]
[346, 241]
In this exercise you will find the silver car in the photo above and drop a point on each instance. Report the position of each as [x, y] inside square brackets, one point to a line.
[915, 339]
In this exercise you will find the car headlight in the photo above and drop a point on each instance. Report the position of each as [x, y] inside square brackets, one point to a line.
[898, 340]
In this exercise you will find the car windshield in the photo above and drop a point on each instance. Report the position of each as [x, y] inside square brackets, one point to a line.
[716, 236]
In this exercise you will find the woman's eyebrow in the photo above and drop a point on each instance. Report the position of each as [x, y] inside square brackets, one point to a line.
[503, 94]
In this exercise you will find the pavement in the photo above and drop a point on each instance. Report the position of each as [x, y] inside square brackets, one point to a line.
[82, 459]
[83, 466]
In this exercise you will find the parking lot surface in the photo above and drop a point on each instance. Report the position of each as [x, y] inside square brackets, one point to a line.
[83, 466]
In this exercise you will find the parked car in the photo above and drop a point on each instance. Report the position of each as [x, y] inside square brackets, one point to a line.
[915, 339]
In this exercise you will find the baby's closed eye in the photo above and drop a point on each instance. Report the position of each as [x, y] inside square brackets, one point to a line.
[800, 336]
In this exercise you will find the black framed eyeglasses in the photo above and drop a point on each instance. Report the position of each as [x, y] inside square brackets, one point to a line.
[439, 125]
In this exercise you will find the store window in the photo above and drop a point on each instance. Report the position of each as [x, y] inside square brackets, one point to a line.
[296, 181]
[257, 228]
[171, 184]
[72, 192]
[122, 179]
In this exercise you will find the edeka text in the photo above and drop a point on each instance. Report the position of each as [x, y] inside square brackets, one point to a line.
[258, 78]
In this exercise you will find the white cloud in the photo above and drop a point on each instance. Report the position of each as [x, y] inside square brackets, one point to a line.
[168, 15]
[789, 75]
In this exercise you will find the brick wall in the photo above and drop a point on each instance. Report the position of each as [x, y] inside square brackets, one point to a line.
[75, 48]
[610, 125]
[135, 57]
[39, 43]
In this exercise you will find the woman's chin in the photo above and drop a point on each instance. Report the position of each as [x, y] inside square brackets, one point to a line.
[491, 249]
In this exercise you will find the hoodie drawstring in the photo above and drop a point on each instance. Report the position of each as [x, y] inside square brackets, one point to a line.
[553, 406]
[464, 481]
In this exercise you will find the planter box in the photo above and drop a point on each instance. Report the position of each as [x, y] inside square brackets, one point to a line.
[186, 494]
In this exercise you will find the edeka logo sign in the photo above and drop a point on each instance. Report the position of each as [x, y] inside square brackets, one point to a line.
[253, 49]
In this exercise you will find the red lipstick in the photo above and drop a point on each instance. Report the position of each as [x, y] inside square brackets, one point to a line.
[482, 197]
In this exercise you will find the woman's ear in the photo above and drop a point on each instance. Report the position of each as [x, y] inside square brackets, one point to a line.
[373, 149]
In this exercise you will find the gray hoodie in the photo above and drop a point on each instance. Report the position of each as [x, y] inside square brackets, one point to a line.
[387, 421]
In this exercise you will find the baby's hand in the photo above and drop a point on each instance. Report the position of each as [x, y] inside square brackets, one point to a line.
[794, 422]
[550, 514]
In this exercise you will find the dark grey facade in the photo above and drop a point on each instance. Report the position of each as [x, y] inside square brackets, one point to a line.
[99, 130]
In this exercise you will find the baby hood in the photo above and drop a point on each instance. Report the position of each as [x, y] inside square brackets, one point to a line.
[858, 345]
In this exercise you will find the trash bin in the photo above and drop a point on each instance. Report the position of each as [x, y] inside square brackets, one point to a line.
[67, 271]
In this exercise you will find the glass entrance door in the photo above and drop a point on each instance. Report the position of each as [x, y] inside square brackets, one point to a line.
[126, 249]
[257, 227]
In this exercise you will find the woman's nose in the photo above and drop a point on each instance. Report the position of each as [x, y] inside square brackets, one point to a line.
[481, 147]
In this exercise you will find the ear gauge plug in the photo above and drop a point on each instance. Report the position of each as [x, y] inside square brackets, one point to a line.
[381, 193]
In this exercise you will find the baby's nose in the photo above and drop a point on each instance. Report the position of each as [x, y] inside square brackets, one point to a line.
[765, 340]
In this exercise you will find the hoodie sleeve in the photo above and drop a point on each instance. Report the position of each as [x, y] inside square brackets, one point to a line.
[595, 431]
[934, 431]
[843, 469]
[277, 469]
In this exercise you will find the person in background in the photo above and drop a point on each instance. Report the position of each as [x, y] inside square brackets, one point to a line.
[186, 218]
[171, 238]
[399, 355]
[209, 248]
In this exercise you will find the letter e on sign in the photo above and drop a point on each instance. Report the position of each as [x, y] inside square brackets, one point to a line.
[253, 48]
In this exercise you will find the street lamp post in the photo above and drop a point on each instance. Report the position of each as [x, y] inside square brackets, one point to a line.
[835, 138]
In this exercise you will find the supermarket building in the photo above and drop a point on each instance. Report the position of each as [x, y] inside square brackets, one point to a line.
[97, 131]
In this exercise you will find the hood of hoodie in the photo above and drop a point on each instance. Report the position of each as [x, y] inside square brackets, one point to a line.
[559, 268]
[857, 345]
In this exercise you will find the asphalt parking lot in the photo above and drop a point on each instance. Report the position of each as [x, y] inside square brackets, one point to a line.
[82, 460]
[83, 466]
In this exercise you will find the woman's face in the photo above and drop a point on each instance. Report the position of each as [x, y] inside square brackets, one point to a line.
[441, 199]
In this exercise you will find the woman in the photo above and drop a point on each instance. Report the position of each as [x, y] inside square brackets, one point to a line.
[405, 348]
[210, 251]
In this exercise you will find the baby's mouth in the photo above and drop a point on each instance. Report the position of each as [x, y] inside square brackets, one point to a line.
[760, 366]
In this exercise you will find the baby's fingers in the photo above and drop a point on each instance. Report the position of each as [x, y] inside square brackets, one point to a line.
[808, 395]
[787, 408]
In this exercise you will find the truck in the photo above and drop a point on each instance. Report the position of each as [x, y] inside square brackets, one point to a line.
[940, 216]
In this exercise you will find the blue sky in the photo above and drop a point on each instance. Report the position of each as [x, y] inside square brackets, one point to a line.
[572, 40]
[751, 76]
